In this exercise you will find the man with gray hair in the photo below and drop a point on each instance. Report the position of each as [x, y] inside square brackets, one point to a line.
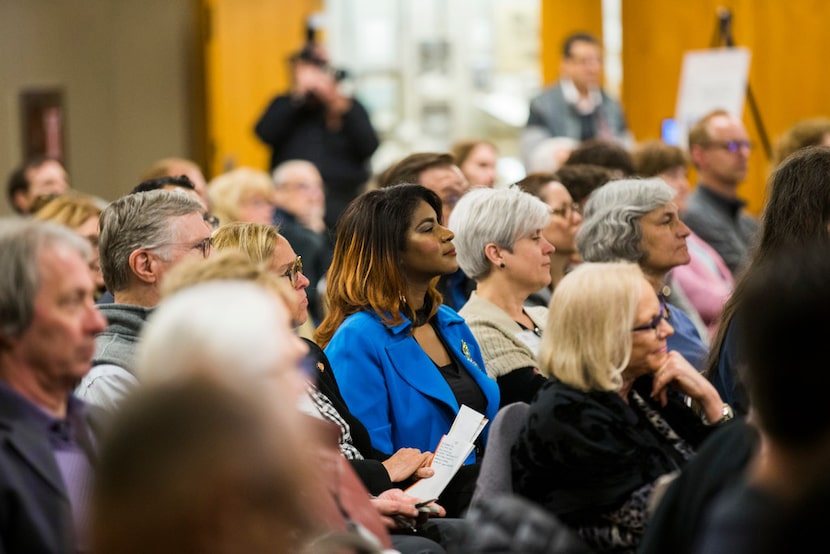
[143, 235]
[48, 323]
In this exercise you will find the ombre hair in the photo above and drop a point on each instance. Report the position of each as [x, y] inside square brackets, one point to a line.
[587, 340]
[365, 272]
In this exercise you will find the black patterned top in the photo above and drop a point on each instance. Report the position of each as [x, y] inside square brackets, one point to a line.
[593, 459]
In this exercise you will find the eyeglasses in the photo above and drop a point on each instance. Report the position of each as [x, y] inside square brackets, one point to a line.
[733, 146]
[654, 324]
[204, 245]
[294, 271]
[567, 210]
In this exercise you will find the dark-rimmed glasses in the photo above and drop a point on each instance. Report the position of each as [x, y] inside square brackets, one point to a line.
[293, 272]
[654, 324]
[733, 146]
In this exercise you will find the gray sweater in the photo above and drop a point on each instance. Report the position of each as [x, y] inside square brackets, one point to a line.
[112, 374]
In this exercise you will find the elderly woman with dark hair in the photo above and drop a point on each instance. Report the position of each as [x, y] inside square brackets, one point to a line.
[637, 220]
[604, 430]
[499, 237]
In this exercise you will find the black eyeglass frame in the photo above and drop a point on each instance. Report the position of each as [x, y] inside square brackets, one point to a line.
[654, 324]
[733, 146]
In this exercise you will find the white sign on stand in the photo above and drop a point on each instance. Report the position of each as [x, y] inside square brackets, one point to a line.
[711, 79]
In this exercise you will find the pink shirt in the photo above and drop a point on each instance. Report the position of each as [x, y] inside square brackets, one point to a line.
[706, 281]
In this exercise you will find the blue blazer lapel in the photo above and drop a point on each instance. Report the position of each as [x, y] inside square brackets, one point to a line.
[413, 366]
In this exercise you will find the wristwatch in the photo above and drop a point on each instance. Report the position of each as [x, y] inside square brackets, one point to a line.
[726, 415]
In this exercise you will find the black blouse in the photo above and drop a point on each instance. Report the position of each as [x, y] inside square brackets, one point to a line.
[464, 387]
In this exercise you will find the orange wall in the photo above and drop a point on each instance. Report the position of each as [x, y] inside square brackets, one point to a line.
[787, 41]
[248, 46]
[559, 19]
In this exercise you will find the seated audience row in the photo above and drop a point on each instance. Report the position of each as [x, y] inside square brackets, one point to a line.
[396, 364]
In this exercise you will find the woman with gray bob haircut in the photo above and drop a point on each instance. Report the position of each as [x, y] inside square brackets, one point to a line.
[637, 220]
[499, 244]
[611, 228]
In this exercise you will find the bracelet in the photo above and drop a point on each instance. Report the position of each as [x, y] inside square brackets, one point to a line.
[726, 415]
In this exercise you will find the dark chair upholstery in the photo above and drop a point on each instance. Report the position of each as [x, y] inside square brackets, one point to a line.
[494, 477]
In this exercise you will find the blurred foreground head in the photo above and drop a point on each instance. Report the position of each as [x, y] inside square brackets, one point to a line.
[192, 466]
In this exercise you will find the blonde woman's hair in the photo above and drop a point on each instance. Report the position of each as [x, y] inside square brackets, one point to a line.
[70, 209]
[257, 240]
[227, 191]
[229, 265]
[587, 340]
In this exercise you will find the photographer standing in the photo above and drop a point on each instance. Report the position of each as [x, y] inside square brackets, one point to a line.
[315, 121]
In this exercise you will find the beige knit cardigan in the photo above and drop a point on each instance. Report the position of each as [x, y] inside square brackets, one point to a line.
[496, 334]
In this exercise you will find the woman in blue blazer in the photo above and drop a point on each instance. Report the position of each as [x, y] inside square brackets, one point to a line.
[404, 362]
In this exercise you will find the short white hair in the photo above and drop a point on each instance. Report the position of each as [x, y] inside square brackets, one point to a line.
[233, 330]
[501, 216]
[282, 172]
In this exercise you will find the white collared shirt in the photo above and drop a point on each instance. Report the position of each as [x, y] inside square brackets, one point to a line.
[584, 105]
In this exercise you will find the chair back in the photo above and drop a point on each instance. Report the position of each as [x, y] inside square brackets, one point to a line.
[495, 477]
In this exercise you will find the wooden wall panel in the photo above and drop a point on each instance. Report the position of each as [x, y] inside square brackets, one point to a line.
[787, 40]
[248, 45]
[559, 19]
